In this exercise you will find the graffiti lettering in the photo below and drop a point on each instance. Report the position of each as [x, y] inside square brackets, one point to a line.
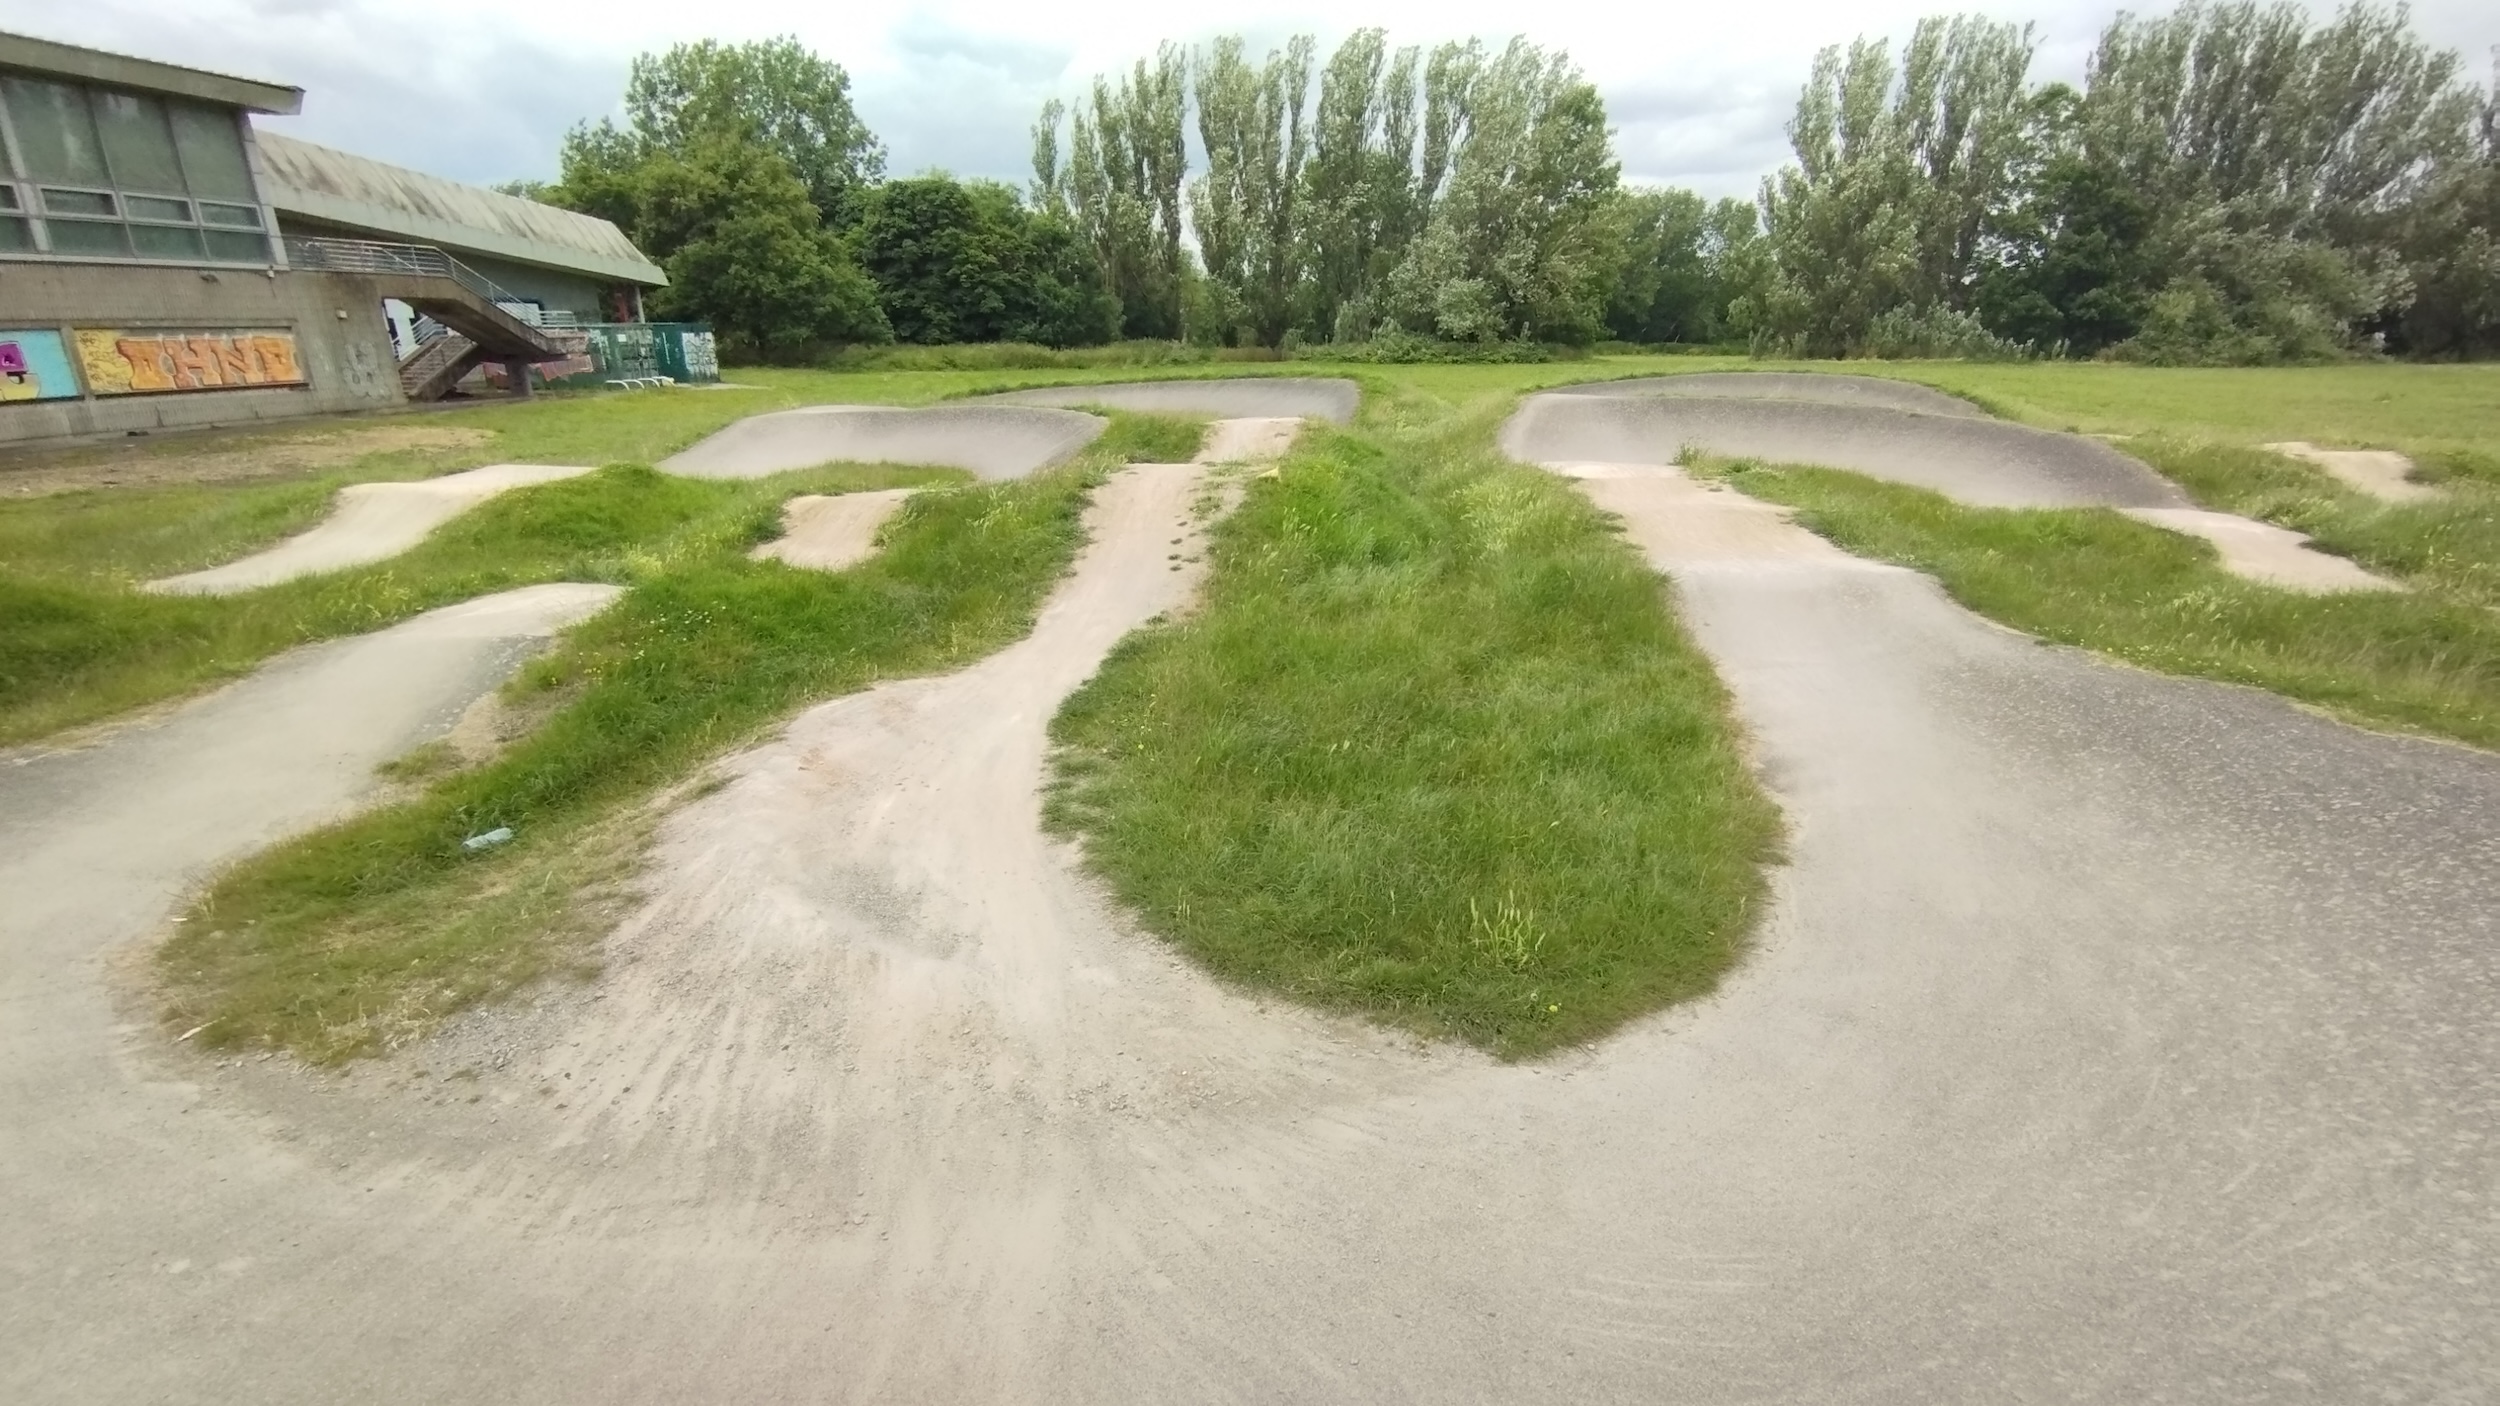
[34, 367]
[148, 363]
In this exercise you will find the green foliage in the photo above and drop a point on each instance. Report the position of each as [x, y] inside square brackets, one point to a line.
[1243, 210]
[962, 261]
[1515, 245]
[1359, 203]
[1690, 271]
[2450, 242]
[1120, 184]
[2076, 269]
[1897, 171]
[1432, 748]
[2234, 184]
[775, 93]
[747, 254]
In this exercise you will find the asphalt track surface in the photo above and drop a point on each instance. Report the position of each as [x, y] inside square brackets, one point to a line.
[1252, 397]
[1908, 434]
[2109, 1038]
[991, 441]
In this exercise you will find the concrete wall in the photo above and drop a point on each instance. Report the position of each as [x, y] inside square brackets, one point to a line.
[342, 345]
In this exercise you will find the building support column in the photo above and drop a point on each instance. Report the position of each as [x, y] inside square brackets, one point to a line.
[517, 371]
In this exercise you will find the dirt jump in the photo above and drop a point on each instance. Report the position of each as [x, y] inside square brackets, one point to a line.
[1267, 397]
[371, 521]
[991, 441]
[2110, 1037]
[1908, 434]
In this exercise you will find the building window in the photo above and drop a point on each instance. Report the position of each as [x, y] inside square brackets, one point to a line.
[109, 174]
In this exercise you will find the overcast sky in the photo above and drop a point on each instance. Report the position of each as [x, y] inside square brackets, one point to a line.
[482, 90]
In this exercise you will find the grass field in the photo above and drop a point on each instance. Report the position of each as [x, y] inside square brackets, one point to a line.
[1433, 748]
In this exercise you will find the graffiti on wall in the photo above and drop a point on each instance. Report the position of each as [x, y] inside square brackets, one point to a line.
[702, 358]
[148, 363]
[579, 363]
[33, 366]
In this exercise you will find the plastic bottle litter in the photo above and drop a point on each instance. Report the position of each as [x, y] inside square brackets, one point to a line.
[489, 840]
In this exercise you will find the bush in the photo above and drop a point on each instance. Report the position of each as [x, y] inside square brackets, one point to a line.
[1395, 348]
[1932, 334]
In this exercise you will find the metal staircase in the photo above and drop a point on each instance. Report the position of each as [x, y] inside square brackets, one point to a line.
[462, 301]
[438, 363]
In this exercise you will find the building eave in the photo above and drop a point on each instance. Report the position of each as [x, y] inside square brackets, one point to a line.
[457, 238]
[28, 54]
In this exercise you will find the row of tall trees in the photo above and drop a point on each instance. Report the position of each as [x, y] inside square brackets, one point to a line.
[1466, 195]
[2231, 182]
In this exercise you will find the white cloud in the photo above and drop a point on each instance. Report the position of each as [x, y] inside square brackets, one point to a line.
[483, 90]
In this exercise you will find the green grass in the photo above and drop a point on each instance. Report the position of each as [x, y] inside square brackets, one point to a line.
[1432, 749]
[73, 651]
[2448, 546]
[358, 936]
[2426, 660]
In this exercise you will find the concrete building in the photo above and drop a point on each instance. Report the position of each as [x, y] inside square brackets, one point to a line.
[163, 263]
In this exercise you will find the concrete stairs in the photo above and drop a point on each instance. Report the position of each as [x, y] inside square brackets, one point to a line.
[434, 368]
[446, 290]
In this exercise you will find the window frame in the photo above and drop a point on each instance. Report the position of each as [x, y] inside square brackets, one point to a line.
[38, 219]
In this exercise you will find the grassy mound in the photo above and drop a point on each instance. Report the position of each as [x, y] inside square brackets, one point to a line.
[1433, 749]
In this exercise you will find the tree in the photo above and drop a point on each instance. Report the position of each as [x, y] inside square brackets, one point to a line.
[748, 253]
[1898, 173]
[1514, 244]
[1120, 184]
[959, 261]
[2072, 262]
[1244, 208]
[2285, 165]
[775, 92]
[1358, 188]
[2450, 241]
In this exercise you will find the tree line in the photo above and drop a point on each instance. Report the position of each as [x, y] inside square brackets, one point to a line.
[2231, 183]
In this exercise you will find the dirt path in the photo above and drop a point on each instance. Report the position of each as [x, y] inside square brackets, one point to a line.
[370, 521]
[2111, 1038]
[828, 533]
[2381, 473]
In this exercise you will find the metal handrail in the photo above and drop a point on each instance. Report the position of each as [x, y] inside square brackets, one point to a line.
[369, 256]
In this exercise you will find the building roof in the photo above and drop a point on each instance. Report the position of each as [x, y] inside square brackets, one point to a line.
[334, 187]
[45, 56]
